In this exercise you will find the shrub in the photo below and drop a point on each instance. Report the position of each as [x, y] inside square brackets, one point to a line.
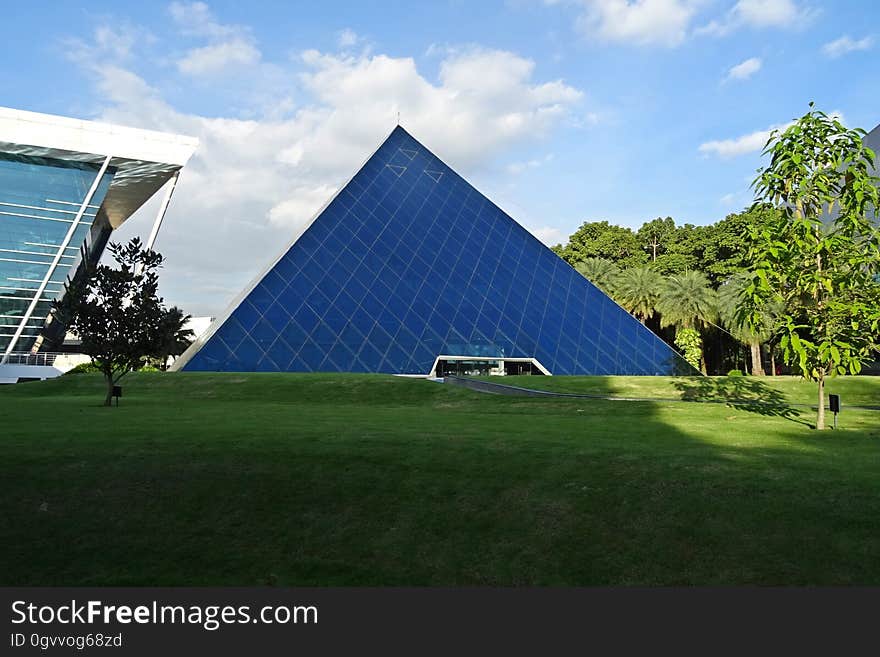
[84, 368]
[735, 373]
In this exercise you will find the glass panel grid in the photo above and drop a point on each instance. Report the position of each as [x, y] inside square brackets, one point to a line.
[39, 201]
[410, 262]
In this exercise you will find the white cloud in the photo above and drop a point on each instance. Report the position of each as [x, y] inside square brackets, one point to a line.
[253, 183]
[219, 57]
[784, 14]
[640, 22]
[302, 206]
[548, 234]
[112, 43]
[196, 19]
[516, 168]
[727, 200]
[592, 118]
[231, 46]
[845, 45]
[750, 143]
[347, 38]
[744, 70]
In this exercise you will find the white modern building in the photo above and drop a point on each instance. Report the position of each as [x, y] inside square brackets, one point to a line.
[65, 185]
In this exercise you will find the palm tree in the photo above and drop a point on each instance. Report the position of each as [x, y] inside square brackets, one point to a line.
[174, 337]
[637, 290]
[729, 295]
[687, 301]
[599, 271]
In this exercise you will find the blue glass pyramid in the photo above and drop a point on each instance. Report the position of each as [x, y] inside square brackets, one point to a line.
[409, 262]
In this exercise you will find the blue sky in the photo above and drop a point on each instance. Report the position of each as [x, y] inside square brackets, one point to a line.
[561, 111]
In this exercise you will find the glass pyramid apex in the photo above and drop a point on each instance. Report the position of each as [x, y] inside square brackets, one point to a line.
[409, 264]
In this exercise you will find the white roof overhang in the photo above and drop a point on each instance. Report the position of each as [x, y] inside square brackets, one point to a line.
[144, 159]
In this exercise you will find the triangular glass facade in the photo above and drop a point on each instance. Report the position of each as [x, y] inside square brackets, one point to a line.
[408, 263]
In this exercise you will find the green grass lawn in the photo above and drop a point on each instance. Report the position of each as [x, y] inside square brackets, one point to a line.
[248, 479]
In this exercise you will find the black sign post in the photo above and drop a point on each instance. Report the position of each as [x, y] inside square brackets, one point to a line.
[834, 404]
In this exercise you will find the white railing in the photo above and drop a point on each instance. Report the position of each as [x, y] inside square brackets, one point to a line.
[27, 358]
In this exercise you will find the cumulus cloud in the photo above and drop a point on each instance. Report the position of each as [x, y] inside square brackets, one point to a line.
[845, 45]
[668, 23]
[744, 70]
[752, 142]
[218, 57]
[749, 143]
[304, 204]
[254, 182]
[196, 19]
[230, 46]
[786, 14]
[641, 22]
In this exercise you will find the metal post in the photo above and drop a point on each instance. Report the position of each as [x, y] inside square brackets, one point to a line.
[76, 221]
[172, 183]
[157, 223]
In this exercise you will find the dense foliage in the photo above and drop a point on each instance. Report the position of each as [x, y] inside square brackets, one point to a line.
[681, 277]
[795, 276]
[118, 315]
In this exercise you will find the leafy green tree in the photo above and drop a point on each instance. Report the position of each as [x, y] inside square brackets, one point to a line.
[726, 244]
[600, 272]
[687, 302]
[820, 261]
[599, 239]
[655, 236]
[684, 250]
[638, 290]
[116, 312]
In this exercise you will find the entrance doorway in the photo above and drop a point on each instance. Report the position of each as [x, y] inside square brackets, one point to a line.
[467, 367]
[475, 366]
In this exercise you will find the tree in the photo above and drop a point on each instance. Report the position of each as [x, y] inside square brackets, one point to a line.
[173, 336]
[599, 271]
[637, 290]
[687, 302]
[820, 260]
[726, 249]
[655, 235]
[116, 312]
[599, 239]
[753, 336]
[684, 250]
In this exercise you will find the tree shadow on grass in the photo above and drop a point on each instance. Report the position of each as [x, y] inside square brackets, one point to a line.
[746, 393]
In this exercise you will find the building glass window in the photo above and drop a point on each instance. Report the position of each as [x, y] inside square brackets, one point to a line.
[39, 201]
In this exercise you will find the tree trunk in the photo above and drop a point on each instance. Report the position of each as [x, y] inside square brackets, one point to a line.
[772, 361]
[703, 361]
[108, 400]
[757, 365]
[820, 414]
